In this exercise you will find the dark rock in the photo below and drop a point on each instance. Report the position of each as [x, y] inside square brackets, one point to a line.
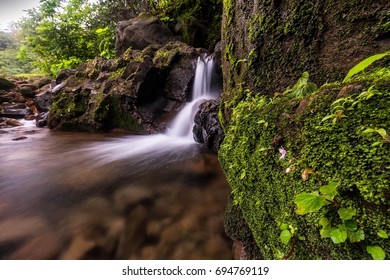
[4, 97]
[41, 120]
[17, 111]
[12, 122]
[140, 32]
[19, 138]
[64, 74]
[27, 90]
[5, 84]
[41, 82]
[207, 128]
[135, 92]
[43, 101]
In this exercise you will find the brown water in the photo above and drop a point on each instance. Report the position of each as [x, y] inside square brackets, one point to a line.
[106, 196]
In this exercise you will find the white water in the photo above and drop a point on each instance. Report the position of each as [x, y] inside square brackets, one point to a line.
[182, 125]
[170, 145]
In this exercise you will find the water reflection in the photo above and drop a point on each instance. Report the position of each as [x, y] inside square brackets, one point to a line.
[88, 196]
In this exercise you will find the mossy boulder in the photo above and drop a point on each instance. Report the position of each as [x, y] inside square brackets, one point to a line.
[138, 91]
[273, 43]
[268, 44]
[278, 148]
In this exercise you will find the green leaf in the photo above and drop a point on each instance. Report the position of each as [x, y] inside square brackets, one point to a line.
[309, 202]
[326, 228]
[324, 222]
[346, 214]
[350, 225]
[356, 236]
[364, 64]
[376, 252]
[328, 117]
[284, 226]
[285, 236]
[382, 132]
[369, 130]
[383, 234]
[330, 190]
[338, 236]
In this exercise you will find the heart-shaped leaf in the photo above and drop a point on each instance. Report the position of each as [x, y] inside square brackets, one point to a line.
[338, 236]
[376, 252]
[330, 190]
[346, 214]
[309, 202]
[285, 236]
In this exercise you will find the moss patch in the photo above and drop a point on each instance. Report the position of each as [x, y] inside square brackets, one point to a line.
[265, 184]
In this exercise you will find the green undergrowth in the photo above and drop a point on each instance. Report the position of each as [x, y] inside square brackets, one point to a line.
[278, 149]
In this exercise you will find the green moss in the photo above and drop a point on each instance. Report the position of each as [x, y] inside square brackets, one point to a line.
[110, 114]
[265, 191]
[118, 73]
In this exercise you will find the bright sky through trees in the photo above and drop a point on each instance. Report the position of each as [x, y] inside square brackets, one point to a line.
[13, 10]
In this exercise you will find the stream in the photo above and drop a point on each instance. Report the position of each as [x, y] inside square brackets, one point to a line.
[67, 195]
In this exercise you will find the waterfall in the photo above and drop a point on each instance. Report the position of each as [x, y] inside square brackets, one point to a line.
[149, 149]
[181, 126]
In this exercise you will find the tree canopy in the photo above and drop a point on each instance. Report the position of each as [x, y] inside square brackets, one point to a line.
[61, 34]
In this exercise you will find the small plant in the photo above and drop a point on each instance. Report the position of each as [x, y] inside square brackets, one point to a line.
[302, 87]
[382, 132]
[342, 105]
[376, 252]
[314, 201]
[364, 64]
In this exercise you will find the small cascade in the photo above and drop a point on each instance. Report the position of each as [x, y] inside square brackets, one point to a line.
[181, 126]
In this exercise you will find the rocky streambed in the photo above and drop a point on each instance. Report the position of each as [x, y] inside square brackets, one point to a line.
[61, 199]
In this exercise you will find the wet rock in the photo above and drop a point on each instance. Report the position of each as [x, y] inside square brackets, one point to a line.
[17, 111]
[207, 129]
[12, 122]
[6, 84]
[41, 82]
[17, 228]
[130, 196]
[27, 91]
[134, 234]
[140, 32]
[4, 97]
[43, 101]
[19, 138]
[45, 246]
[78, 248]
[132, 92]
[64, 74]
[41, 120]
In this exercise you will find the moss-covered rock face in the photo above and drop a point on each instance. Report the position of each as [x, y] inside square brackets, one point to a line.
[277, 148]
[268, 44]
[137, 92]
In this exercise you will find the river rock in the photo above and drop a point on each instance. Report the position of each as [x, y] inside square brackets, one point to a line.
[41, 120]
[43, 101]
[6, 84]
[64, 74]
[42, 247]
[17, 111]
[137, 92]
[207, 129]
[140, 32]
[42, 81]
[27, 90]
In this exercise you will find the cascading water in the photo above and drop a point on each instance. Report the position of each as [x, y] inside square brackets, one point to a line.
[178, 136]
[183, 123]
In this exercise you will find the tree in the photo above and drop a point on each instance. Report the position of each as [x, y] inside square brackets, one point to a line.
[61, 34]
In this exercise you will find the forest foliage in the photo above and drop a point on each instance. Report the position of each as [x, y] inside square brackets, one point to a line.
[61, 34]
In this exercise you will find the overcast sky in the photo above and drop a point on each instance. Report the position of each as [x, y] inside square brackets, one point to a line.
[12, 10]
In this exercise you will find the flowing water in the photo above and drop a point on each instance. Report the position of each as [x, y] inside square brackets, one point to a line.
[104, 196]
